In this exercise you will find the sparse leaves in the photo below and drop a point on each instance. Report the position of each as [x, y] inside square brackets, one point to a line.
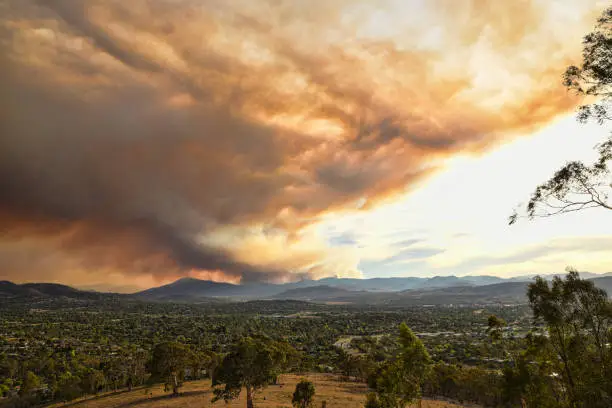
[594, 77]
[578, 186]
[574, 187]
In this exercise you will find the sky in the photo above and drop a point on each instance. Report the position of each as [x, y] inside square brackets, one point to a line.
[278, 140]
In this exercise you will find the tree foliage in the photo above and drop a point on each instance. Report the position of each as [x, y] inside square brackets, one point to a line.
[565, 361]
[398, 381]
[168, 364]
[30, 384]
[594, 77]
[303, 394]
[578, 186]
[495, 327]
[578, 321]
[252, 364]
[530, 379]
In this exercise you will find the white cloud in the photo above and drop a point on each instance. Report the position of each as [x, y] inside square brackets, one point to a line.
[462, 214]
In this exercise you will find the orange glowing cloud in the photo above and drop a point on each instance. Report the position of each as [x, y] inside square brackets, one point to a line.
[136, 134]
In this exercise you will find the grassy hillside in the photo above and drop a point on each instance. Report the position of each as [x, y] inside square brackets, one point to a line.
[198, 394]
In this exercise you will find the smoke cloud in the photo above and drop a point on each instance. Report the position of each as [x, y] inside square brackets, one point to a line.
[157, 139]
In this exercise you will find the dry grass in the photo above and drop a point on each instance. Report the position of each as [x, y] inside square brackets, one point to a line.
[198, 394]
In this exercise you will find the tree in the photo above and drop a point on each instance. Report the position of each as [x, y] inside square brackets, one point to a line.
[136, 368]
[495, 330]
[198, 362]
[8, 366]
[303, 394]
[114, 369]
[495, 327]
[578, 321]
[252, 364]
[346, 362]
[286, 358]
[529, 381]
[30, 384]
[168, 364]
[578, 186]
[398, 382]
[92, 380]
[372, 401]
[68, 387]
[594, 77]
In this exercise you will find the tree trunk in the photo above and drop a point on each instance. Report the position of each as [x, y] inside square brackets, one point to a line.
[174, 385]
[566, 364]
[250, 392]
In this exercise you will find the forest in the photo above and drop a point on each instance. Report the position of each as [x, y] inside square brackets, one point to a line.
[553, 352]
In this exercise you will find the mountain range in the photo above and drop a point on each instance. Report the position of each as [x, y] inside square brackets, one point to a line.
[194, 289]
[392, 291]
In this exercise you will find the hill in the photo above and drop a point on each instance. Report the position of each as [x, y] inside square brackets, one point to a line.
[198, 394]
[10, 290]
[604, 283]
[190, 289]
[372, 284]
[506, 292]
[319, 293]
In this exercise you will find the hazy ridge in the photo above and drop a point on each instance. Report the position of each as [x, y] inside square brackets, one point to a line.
[390, 291]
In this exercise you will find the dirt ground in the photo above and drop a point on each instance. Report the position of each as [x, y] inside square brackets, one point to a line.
[198, 394]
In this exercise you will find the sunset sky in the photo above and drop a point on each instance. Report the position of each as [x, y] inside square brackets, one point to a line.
[274, 140]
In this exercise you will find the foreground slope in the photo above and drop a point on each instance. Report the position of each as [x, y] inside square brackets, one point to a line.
[198, 394]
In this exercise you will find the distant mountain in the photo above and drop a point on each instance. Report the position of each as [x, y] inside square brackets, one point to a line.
[477, 280]
[401, 284]
[190, 289]
[397, 284]
[444, 282]
[497, 293]
[45, 290]
[550, 276]
[604, 283]
[388, 291]
[372, 284]
[505, 292]
[317, 293]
